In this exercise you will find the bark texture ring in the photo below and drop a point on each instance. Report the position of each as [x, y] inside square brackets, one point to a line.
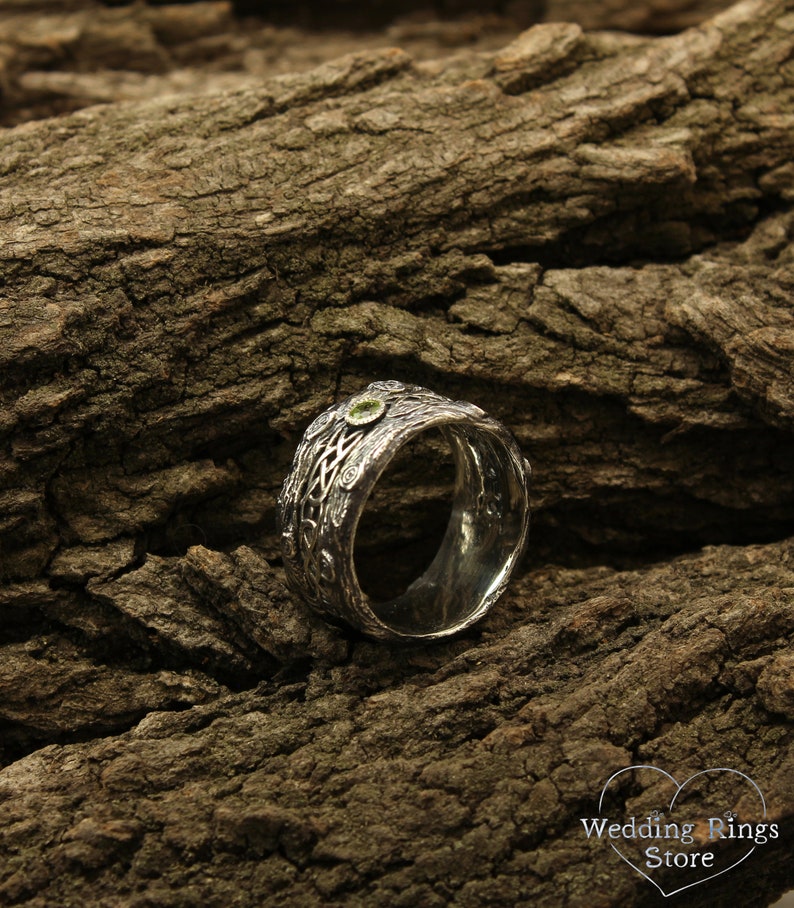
[337, 464]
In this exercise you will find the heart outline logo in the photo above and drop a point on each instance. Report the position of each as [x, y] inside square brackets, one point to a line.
[679, 789]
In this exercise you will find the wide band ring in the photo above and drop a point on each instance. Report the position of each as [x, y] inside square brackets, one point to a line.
[337, 464]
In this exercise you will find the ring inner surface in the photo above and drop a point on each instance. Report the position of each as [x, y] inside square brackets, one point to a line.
[480, 543]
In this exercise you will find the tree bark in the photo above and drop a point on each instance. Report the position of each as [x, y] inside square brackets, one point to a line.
[589, 235]
[59, 55]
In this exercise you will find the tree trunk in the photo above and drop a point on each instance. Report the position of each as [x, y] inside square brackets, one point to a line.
[589, 235]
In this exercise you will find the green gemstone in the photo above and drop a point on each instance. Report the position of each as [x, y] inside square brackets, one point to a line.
[363, 412]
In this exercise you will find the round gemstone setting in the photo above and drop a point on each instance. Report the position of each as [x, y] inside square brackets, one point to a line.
[365, 411]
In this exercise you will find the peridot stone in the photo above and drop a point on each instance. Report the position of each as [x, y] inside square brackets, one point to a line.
[365, 411]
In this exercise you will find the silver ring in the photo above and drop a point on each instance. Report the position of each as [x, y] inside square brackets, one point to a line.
[337, 464]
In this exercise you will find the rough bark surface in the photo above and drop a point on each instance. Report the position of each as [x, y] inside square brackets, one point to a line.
[589, 235]
[57, 56]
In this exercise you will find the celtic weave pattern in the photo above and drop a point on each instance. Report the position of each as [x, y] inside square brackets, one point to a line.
[334, 451]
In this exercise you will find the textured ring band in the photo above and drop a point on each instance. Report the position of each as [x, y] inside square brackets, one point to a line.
[337, 464]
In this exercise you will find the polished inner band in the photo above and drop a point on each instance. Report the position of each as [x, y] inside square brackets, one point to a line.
[337, 465]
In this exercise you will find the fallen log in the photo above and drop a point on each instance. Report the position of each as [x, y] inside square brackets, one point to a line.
[586, 234]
